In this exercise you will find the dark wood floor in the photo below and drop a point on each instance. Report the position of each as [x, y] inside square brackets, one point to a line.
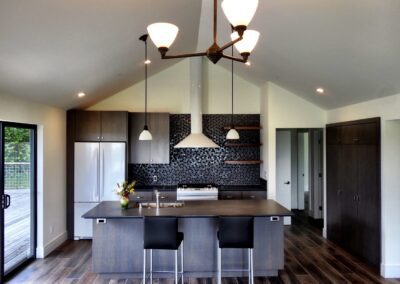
[308, 259]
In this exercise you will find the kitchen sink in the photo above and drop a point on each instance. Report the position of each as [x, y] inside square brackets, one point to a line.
[162, 204]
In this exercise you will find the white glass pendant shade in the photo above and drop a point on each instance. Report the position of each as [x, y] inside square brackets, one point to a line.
[232, 134]
[162, 34]
[145, 135]
[248, 43]
[239, 12]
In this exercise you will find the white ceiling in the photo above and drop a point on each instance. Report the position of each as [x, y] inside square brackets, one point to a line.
[50, 50]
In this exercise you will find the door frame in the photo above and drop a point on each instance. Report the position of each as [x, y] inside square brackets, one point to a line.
[33, 144]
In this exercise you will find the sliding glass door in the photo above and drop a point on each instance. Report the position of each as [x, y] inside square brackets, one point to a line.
[18, 195]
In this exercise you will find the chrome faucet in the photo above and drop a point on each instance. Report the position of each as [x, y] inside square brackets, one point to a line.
[157, 198]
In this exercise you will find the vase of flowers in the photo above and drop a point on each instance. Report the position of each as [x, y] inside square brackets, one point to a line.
[123, 191]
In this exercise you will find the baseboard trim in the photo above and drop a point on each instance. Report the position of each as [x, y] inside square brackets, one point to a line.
[390, 270]
[42, 252]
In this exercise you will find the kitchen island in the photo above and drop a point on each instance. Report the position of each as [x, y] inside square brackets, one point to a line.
[117, 247]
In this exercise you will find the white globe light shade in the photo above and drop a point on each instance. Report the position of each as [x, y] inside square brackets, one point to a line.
[162, 34]
[249, 41]
[145, 135]
[232, 134]
[239, 12]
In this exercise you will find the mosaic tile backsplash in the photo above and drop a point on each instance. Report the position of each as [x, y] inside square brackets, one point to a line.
[205, 165]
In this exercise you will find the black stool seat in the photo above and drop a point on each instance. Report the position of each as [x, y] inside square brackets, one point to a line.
[162, 233]
[236, 232]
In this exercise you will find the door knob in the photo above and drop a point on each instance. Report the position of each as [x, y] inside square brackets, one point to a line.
[288, 182]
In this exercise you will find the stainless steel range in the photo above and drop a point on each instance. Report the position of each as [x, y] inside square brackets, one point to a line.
[197, 192]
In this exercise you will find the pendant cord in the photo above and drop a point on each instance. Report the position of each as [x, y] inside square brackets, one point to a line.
[145, 85]
[215, 20]
[232, 89]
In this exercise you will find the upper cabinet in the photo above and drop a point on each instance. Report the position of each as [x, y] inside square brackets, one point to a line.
[155, 151]
[103, 126]
[364, 133]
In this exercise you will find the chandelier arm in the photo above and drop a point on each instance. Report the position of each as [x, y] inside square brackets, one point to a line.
[215, 21]
[229, 44]
[183, 55]
[234, 58]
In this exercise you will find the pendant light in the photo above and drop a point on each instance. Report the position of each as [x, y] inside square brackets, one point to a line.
[145, 135]
[232, 133]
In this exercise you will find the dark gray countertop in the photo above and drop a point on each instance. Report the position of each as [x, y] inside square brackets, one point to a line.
[193, 209]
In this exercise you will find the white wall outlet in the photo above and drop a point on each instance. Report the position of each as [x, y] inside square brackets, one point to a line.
[155, 178]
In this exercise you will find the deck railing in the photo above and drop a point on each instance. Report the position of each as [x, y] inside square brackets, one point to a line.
[17, 175]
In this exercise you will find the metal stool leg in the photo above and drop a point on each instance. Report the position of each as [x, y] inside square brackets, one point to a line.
[144, 266]
[252, 266]
[151, 266]
[176, 266]
[219, 266]
[249, 261]
[182, 263]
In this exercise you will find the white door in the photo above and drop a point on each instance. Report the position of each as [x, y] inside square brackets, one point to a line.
[112, 169]
[283, 169]
[83, 228]
[86, 172]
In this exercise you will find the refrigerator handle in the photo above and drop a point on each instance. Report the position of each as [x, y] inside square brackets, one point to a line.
[102, 175]
[98, 175]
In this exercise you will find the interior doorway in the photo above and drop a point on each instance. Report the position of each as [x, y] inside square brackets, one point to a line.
[299, 168]
[18, 196]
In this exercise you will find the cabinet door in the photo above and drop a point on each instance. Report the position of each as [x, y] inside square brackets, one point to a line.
[159, 146]
[142, 196]
[166, 196]
[114, 126]
[333, 135]
[369, 216]
[348, 173]
[255, 195]
[334, 223]
[139, 151]
[362, 134]
[87, 126]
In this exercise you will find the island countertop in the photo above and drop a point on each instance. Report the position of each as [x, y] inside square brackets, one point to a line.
[192, 209]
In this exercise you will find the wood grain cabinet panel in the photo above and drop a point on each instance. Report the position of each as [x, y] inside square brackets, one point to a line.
[155, 151]
[254, 195]
[87, 126]
[114, 126]
[353, 188]
[100, 126]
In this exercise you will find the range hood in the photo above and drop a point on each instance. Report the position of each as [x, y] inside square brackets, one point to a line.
[196, 139]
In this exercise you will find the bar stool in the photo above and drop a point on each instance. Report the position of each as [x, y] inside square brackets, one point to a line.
[161, 233]
[236, 233]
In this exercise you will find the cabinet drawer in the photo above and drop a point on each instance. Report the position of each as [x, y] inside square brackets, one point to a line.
[230, 195]
[254, 195]
[142, 196]
[166, 196]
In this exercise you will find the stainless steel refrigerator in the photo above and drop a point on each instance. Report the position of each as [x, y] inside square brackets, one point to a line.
[98, 168]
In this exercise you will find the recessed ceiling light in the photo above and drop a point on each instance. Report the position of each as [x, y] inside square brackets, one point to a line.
[320, 90]
[148, 61]
[81, 95]
[248, 63]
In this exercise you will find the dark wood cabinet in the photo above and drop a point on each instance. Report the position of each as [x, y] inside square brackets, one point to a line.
[87, 126]
[155, 151]
[239, 195]
[104, 126]
[353, 188]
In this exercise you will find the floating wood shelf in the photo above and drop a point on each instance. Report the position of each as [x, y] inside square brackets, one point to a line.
[245, 127]
[250, 162]
[242, 145]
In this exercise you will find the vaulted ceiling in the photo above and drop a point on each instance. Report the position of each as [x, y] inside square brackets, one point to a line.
[50, 50]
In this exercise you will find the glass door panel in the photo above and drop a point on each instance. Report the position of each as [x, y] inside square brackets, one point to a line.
[19, 193]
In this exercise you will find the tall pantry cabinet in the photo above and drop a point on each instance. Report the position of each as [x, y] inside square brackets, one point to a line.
[353, 187]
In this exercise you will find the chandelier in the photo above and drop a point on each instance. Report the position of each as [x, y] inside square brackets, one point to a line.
[239, 14]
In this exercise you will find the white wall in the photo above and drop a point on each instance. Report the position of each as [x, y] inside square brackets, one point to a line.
[388, 109]
[283, 109]
[169, 91]
[51, 196]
